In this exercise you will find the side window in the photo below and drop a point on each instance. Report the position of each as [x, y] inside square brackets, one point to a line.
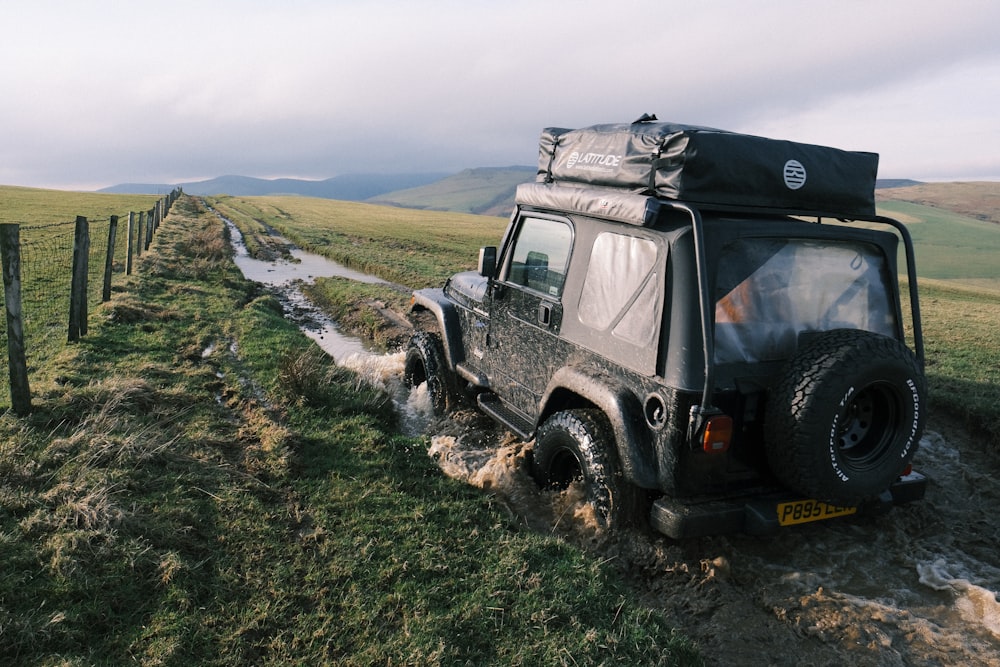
[620, 291]
[540, 255]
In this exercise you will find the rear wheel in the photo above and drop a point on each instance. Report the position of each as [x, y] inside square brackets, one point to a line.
[578, 445]
[847, 417]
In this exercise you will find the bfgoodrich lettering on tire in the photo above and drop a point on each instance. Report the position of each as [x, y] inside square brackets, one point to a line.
[579, 445]
[846, 418]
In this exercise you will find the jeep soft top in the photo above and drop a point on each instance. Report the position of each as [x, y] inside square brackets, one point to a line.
[703, 316]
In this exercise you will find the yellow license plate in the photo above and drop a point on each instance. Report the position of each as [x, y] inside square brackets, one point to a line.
[804, 511]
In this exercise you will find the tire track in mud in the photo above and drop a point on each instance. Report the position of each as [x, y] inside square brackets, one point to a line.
[916, 586]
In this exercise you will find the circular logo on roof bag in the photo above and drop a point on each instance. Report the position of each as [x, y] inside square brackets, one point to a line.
[795, 175]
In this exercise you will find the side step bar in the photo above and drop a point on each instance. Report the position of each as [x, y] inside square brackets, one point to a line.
[513, 420]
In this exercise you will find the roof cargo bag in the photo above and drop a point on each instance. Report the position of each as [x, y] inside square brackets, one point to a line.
[711, 168]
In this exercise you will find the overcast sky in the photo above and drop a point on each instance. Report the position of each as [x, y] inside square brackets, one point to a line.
[95, 93]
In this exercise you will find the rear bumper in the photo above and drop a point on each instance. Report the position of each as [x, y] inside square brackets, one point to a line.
[758, 514]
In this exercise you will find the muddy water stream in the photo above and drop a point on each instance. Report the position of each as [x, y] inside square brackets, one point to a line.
[915, 587]
[286, 277]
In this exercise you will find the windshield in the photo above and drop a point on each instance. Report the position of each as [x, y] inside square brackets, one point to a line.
[771, 290]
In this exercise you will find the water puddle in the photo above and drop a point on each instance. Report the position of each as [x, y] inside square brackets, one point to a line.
[286, 278]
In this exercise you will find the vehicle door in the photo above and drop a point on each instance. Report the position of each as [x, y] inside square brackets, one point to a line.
[526, 311]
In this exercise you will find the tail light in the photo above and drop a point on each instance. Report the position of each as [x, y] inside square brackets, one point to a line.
[718, 434]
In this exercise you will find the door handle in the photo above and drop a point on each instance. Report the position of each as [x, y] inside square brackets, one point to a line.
[544, 314]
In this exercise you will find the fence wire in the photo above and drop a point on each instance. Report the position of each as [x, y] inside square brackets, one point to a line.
[46, 253]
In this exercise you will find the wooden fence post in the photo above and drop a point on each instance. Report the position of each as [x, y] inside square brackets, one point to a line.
[109, 259]
[149, 227]
[140, 237]
[128, 246]
[78, 286]
[10, 249]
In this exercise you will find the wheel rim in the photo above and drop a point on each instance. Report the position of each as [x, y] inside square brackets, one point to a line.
[417, 375]
[564, 469]
[868, 425]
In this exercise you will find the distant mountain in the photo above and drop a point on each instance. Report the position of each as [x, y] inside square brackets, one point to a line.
[350, 187]
[484, 190]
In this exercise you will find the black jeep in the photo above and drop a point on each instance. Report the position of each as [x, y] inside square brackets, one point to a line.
[706, 320]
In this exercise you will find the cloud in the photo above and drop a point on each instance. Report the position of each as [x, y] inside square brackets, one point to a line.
[170, 91]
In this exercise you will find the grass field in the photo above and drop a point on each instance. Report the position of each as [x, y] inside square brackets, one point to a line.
[32, 206]
[951, 247]
[481, 191]
[183, 494]
[974, 199]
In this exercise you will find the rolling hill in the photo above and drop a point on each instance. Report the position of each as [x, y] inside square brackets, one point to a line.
[350, 187]
[486, 191]
[975, 199]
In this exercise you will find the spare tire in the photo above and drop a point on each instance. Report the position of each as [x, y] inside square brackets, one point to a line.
[846, 418]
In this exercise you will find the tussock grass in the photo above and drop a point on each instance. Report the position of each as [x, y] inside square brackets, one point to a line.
[360, 307]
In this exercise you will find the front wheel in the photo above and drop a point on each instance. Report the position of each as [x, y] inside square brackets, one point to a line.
[578, 445]
[425, 363]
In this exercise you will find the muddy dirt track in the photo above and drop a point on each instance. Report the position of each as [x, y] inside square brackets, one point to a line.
[915, 587]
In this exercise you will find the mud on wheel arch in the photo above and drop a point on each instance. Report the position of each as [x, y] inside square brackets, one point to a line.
[734, 349]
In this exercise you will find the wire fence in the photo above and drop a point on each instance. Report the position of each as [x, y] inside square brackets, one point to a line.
[64, 269]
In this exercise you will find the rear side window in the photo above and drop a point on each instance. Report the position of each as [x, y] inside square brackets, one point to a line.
[771, 290]
[620, 290]
[540, 255]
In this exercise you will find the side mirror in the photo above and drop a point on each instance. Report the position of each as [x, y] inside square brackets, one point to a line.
[488, 262]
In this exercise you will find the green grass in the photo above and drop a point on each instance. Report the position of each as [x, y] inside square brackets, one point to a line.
[33, 206]
[198, 485]
[962, 337]
[950, 246]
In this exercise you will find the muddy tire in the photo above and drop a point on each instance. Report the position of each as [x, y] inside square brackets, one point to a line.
[425, 362]
[847, 416]
[579, 445]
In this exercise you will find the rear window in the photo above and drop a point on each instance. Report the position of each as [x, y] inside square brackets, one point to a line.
[771, 290]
